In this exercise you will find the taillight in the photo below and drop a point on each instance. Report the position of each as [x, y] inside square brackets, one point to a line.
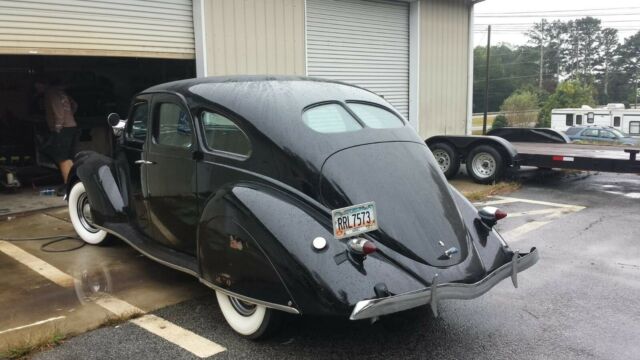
[490, 215]
[361, 246]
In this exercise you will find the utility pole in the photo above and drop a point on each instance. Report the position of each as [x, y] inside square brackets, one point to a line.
[486, 83]
[541, 52]
[636, 94]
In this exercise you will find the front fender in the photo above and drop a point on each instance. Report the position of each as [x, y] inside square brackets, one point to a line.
[276, 261]
[101, 178]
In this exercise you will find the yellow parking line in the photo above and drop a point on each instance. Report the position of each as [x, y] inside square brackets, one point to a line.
[36, 264]
[186, 339]
[33, 324]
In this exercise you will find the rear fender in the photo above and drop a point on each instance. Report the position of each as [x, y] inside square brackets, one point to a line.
[272, 258]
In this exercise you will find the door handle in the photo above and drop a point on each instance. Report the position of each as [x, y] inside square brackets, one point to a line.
[144, 162]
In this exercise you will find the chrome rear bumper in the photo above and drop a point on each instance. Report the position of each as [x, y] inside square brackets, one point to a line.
[387, 305]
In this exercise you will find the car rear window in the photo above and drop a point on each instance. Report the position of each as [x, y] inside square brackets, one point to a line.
[572, 131]
[375, 116]
[330, 118]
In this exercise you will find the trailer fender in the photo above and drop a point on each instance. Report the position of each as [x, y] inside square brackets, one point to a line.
[464, 145]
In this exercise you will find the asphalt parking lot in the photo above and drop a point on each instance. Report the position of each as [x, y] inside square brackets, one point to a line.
[581, 301]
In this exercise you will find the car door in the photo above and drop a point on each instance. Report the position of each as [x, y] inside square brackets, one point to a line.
[607, 136]
[132, 146]
[590, 135]
[171, 174]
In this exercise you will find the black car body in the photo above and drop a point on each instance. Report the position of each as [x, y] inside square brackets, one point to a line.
[232, 179]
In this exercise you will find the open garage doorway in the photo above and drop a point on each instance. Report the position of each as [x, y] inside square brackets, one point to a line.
[99, 85]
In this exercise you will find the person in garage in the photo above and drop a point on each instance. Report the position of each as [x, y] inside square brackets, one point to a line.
[59, 110]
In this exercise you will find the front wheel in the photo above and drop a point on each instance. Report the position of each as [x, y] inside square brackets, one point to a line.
[485, 164]
[80, 214]
[249, 320]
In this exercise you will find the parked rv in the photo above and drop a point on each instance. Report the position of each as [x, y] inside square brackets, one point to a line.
[613, 115]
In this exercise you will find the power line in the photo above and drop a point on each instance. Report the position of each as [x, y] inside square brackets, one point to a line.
[556, 15]
[557, 11]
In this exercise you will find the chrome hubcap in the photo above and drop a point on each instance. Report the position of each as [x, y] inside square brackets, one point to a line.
[443, 159]
[84, 213]
[484, 165]
[242, 307]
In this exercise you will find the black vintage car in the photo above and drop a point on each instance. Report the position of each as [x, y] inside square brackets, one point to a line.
[287, 194]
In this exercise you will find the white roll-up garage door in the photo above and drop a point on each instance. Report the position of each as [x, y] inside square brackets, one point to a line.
[141, 28]
[363, 42]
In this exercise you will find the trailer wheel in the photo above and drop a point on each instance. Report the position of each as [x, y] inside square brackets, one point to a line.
[447, 158]
[484, 164]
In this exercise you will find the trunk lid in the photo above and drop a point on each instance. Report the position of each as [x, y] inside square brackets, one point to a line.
[417, 216]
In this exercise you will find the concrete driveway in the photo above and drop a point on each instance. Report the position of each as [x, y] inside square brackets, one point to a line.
[580, 301]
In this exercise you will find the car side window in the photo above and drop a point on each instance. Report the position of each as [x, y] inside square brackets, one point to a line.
[137, 128]
[330, 118]
[590, 132]
[376, 117]
[607, 134]
[173, 125]
[222, 134]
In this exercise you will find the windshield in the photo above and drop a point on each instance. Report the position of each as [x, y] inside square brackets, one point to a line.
[618, 133]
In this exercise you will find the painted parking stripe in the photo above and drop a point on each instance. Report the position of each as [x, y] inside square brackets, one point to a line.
[537, 202]
[496, 202]
[33, 324]
[36, 264]
[184, 338]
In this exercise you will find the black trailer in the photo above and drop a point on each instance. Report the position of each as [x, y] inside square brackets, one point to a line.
[487, 157]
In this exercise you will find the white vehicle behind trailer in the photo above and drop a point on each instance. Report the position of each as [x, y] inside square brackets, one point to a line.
[614, 115]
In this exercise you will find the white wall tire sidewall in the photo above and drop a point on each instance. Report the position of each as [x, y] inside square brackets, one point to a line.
[86, 235]
[243, 325]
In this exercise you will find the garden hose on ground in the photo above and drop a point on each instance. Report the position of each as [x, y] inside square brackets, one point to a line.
[52, 240]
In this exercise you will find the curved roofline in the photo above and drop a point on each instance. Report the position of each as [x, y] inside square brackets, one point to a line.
[244, 78]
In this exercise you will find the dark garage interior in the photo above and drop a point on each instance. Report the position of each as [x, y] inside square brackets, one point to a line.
[99, 85]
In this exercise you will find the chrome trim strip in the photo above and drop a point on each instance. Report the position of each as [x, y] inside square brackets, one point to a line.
[165, 263]
[376, 307]
[284, 308]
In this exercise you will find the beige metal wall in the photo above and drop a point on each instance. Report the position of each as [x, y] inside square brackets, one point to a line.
[444, 70]
[151, 28]
[254, 37]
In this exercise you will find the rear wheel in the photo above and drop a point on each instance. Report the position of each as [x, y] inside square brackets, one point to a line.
[447, 158]
[485, 164]
[247, 319]
[81, 218]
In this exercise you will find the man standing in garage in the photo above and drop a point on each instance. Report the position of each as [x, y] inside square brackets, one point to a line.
[59, 110]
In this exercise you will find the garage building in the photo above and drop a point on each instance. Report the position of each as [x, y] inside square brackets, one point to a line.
[417, 54]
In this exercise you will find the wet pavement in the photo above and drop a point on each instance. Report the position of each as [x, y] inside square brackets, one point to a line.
[581, 301]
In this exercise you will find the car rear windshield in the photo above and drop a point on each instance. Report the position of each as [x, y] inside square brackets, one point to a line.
[572, 131]
[334, 118]
[375, 116]
[330, 118]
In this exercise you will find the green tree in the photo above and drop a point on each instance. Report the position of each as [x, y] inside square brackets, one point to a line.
[607, 59]
[629, 62]
[568, 94]
[521, 108]
[499, 122]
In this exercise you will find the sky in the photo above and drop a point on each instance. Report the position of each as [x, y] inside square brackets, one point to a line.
[511, 18]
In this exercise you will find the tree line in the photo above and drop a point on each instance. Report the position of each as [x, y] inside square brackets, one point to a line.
[571, 57]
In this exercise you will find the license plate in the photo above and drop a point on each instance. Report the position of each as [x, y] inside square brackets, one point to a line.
[354, 220]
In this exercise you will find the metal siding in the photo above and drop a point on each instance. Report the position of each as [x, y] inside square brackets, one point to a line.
[141, 28]
[444, 48]
[365, 43]
[254, 37]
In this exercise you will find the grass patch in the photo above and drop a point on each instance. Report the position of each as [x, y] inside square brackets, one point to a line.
[28, 346]
[114, 320]
[491, 190]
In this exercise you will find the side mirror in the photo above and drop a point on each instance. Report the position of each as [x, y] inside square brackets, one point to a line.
[113, 119]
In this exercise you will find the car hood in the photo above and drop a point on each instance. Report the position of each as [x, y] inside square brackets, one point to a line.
[417, 215]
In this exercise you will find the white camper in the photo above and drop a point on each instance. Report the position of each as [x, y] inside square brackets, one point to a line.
[614, 115]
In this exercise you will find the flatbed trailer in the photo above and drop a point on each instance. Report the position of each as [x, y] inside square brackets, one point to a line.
[487, 157]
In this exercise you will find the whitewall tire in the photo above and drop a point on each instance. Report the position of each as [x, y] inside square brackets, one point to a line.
[249, 320]
[80, 214]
